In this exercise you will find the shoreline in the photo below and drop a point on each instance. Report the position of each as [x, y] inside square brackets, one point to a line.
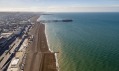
[56, 58]
[39, 55]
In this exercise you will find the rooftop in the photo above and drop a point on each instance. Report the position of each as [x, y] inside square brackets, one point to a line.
[5, 34]
[13, 69]
[19, 54]
[14, 62]
[2, 39]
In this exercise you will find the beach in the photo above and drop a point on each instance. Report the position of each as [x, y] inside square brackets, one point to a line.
[39, 57]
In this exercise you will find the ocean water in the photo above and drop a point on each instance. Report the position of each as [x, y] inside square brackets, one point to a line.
[89, 43]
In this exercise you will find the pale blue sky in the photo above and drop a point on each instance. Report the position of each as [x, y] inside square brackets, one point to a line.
[60, 5]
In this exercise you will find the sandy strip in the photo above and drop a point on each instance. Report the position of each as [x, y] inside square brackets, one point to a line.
[57, 64]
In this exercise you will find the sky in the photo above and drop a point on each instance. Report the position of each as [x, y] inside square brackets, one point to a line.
[60, 5]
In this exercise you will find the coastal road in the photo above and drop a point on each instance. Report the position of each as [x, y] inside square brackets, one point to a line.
[39, 57]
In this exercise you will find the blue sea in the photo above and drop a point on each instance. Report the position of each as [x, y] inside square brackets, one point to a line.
[89, 43]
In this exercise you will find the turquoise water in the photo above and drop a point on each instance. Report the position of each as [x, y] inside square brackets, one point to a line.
[89, 43]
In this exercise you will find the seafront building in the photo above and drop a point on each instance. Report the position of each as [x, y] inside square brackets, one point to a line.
[17, 63]
[13, 41]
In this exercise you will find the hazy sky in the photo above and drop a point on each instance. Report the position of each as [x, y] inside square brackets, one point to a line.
[60, 5]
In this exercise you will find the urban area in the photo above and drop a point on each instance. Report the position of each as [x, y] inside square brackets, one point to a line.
[14, 39]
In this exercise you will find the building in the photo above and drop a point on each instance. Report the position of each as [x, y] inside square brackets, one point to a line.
[18, 62]
[5, 37]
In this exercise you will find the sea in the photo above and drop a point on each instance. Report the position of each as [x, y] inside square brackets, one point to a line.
[89, 43]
